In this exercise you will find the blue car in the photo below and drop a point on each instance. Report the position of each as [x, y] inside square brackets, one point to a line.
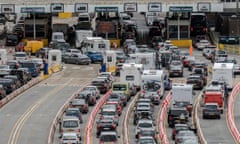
[33, 67]
[95, 56]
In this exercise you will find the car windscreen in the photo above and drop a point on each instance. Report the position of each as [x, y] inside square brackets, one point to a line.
[28, 65]
[119, 87]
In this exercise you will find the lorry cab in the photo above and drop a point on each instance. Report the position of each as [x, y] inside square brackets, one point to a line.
[95, 44]
[110, 59]
[153, 82]
[58, 37]
[131, 73]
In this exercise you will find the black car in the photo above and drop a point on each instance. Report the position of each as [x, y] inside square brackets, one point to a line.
[196, 81]
[15, 79]
[177, 115]
[11, 40]
[106, 124]
[23, 75]
[8, 85]
[211, 110]
[101, 84]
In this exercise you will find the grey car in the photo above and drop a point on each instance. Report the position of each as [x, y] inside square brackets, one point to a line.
[211, 110]
[77, 58]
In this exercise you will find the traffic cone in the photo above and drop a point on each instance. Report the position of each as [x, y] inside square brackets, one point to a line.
[190, 50]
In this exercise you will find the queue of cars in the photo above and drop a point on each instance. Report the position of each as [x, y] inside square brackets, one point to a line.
[16, 73]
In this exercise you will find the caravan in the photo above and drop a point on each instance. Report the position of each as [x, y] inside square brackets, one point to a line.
[153, 84]
[97, 44]
[147, 59]
[131, 73]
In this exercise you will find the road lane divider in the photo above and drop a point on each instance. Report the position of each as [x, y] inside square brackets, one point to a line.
[125, 131]
[59, 114]
[196, 121]
[161, 121]
[91, 120]
[230, 114]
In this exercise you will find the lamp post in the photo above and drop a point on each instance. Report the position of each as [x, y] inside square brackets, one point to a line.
[34, 26]
[178, 24]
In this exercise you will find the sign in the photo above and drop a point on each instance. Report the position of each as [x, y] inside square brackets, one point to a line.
[204, 6]
[180, 9]
[57, 7]
[81, 7]
[154, 7]
[130, 7]
[8, 8]
[105, 27]
[32, 10]
[106, 9]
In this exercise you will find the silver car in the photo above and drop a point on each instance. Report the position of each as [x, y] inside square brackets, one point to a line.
[77, 58]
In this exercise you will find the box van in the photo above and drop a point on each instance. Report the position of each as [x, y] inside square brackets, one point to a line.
[70, 124]
[147, 59]
[33, 46]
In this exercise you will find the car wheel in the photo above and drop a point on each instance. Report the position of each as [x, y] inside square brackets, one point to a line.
[203, 117]
[219, 117]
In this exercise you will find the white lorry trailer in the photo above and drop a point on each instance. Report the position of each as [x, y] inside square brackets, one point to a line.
[223, 72]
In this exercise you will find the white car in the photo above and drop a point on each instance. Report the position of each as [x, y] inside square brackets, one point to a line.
[144, 124]
[20, 56]
[69, 138]
[94, 89]
[202, 44]
[4, 70]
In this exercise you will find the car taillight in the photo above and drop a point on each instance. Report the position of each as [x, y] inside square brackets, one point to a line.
[115, 116]
[79, 130]
[105, 85]
[204, 29]
[158, 92]
[170, 118]
[113, 126]
[143, 91]
[98, 127]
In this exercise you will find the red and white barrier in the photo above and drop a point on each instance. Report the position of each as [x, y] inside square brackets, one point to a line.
[91, 120]
[161, 125]
[230, 115]
[59, 115]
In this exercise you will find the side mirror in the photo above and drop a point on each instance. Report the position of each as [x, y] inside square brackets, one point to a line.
[60, 137]
[119, 136]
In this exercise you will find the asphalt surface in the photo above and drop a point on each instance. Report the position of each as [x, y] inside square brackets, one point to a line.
[27, 119]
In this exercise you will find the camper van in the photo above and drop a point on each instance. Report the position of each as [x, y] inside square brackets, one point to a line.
[131, 73]
[153, 82]
[147, 59]
[97, 44]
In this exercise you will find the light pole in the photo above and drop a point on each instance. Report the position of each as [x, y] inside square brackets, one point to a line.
[178, 24]
[34, 26]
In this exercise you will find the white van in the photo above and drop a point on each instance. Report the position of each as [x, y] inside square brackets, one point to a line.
[131, 73]
[84, 17]
[80, 35]
[70, 124]
[153, 82]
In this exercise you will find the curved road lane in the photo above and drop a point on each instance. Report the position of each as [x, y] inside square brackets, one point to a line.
[27, 119]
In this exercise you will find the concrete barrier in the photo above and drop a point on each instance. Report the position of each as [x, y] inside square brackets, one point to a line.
[196, 122]
[126, 119]
[230, 115]
[59, 115]
[90, 124]
[161, 125]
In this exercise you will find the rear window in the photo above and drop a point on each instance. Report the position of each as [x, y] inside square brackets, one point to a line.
[178, 112]
[108, 138]
[119, 87]
[96, 83]
[20, 55]
[30, 65]
[70, 124]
